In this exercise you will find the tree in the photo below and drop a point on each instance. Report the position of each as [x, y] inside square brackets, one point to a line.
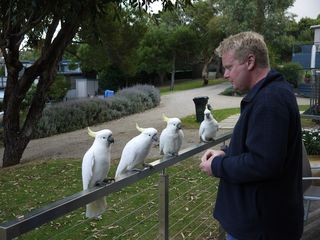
[266, 17]
[209, 29]
[114, 44]
[169, 41]
[51, 26]
[154, 52]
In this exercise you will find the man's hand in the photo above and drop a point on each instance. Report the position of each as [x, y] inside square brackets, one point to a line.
[207, 159]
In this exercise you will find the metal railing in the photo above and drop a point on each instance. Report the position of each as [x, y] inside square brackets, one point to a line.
[38, 217]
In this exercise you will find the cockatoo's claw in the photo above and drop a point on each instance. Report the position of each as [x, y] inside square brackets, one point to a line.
[100, 184]
[172, 154]
[147, 165]
[136, 170]
[109, 180]
[98, 218]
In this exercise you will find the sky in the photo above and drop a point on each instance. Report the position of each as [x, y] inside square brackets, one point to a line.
[305, 8]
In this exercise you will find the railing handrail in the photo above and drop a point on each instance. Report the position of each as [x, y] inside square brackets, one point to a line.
[38, 217]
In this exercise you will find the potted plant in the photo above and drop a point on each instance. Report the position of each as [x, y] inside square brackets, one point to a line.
[307, 77]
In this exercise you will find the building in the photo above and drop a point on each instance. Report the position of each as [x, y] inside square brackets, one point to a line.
[82, 85]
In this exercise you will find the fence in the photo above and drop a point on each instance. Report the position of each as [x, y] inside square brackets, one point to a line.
[142, 220]
[312, 90]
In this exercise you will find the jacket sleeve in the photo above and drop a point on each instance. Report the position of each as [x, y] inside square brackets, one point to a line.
[264, 150]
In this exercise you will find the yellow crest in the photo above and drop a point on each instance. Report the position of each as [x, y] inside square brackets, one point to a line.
[91, 133]
[165, 118]
[139, 128]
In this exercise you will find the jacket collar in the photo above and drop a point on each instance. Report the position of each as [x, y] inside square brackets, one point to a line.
[272, 74]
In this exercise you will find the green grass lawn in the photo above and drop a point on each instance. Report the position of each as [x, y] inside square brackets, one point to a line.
[132, 213]
[189, 84]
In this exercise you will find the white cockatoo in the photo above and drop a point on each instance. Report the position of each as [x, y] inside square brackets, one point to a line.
[171, 137]
[95, 168]
[208, 127]
[135, 152]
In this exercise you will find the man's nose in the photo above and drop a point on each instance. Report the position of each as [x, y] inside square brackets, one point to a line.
[226, 74]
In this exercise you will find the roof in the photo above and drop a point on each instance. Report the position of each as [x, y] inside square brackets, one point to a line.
[315, 27]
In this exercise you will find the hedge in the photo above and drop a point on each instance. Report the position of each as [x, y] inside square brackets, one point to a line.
[77, 114]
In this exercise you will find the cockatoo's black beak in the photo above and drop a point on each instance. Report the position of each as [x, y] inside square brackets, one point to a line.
[110, 139]
[155, 138]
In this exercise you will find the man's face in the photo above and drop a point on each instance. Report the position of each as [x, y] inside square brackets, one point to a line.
[237, 73]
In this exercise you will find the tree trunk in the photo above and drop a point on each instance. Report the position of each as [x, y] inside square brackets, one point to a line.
[17, 132]
[205, 73]
[173, 71]
[162, 76]
[219, 72]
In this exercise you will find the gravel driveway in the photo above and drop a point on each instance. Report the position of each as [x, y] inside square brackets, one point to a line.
[180, 104]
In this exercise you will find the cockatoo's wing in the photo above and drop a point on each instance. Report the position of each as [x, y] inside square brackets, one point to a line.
[87, 168]
[162, 140]
[201, 129]
[128, 159]
[181, 134]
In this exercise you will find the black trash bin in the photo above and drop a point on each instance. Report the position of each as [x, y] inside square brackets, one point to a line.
[200, 103]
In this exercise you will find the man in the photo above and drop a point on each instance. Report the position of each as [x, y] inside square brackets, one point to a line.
[260, 189]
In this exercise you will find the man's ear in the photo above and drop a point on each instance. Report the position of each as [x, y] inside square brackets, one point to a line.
[251, 61]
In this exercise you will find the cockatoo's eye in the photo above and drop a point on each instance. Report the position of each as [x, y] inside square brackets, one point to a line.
[103, 137]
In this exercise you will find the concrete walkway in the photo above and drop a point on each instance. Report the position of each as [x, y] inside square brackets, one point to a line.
[229, 122]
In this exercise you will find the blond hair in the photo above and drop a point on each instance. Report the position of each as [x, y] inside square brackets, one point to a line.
[243, 44]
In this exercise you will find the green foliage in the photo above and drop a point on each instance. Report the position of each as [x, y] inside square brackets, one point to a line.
[72, 115]
[231, 92]
[265, 17]
[59, 89]
[154, 50]
[301, 31]
[111, 45]
[56, 93]
[167, 44]
[111, 78]
[311, 139]
[292, 72]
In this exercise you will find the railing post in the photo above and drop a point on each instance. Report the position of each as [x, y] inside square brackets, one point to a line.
[164, 206]
[3, 234]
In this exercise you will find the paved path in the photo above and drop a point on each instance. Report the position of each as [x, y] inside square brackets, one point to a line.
[179, 104]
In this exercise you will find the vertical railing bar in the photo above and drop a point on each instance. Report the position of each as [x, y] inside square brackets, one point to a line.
[164, 206]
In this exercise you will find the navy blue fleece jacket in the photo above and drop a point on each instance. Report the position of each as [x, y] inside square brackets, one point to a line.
[260, 189]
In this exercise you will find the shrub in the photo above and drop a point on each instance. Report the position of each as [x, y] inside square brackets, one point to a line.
[77, 114]
[231, 92]
[292, 72]
[311, 139]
